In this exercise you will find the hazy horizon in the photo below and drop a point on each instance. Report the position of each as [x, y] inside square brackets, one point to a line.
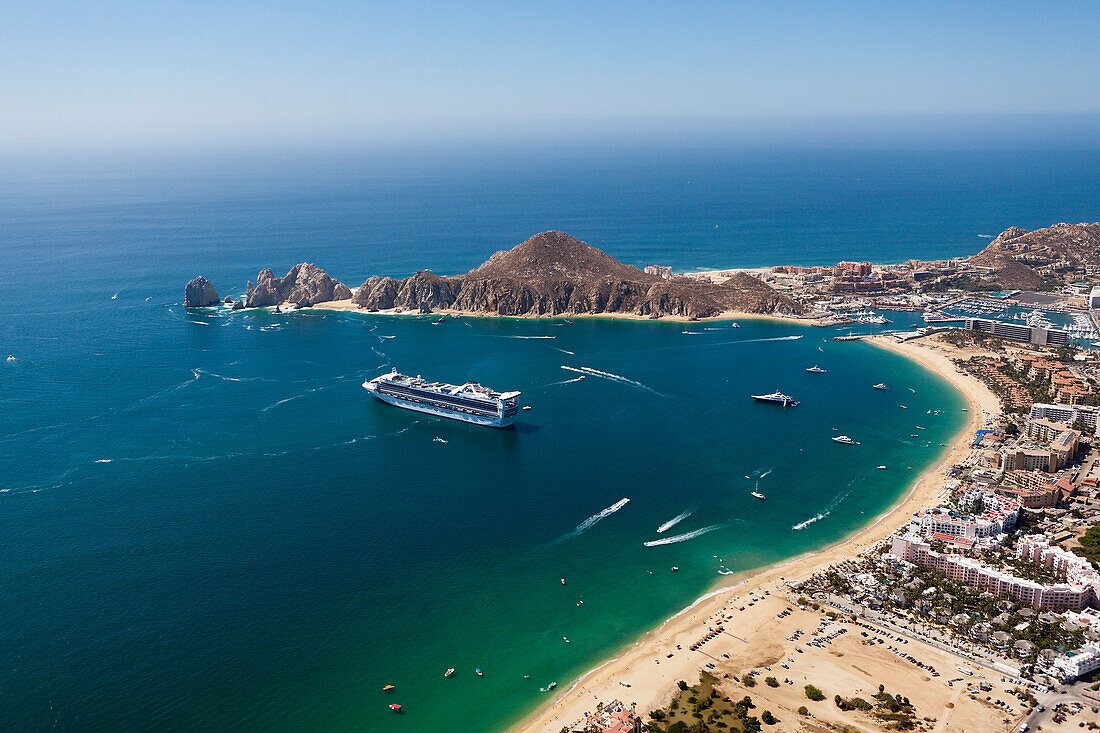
[207, 76]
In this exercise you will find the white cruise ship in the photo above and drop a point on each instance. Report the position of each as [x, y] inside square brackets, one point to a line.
[469, 402]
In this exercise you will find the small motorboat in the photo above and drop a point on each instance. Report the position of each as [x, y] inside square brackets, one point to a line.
[551, 686]
[758, 495]
[565, 639]
[881, 385]
[388, 688]
[675, 568]
[563, 581]
[815, 369]
[479, 672]
[735, 324]
[526, 407]
[449, 672]
[442, 319]
[395, 707]
[843, 439]
[882, 468]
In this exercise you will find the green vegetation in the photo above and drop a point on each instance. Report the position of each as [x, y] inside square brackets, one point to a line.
[702, 708]
[803, 710]
[748, 680]
[771, 682]
[814, 694]
[1090, 544]
[767, 718]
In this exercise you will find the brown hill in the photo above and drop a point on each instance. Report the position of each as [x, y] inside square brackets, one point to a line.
[1017, 255]
[552, 273]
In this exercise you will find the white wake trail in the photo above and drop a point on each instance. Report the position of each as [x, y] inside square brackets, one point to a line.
[674, 521]
[591, 521]
[683, 537]
[612, 377]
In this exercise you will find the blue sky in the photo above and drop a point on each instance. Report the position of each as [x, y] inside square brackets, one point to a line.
[199, 73]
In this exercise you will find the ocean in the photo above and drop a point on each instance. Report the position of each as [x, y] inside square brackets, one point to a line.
[210, 525]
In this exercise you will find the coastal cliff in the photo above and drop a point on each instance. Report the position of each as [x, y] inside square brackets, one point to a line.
[1022, 259]
[553, 273]
[305, 284]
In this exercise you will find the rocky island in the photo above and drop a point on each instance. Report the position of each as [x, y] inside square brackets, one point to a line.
[553, 273]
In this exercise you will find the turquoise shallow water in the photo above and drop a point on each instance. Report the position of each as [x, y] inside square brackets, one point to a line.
[209, 525]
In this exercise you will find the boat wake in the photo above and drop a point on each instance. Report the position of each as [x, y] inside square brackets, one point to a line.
[683, 537]
[564, 351]
[115, 296]
[522, 337]
[591, 521]
[821, 515]
[281, 402]
[674, 521]
[565, 381]
[612, 377]
[795, 337]
[103, 460]
[986, 236]
[437, 439]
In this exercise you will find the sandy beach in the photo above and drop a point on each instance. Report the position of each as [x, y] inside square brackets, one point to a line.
[645, 674]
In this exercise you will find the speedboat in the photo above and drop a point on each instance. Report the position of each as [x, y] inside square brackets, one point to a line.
[563, 581]
[395, 707]
[449, 672]
[882, 468]
[815, 369]
[758, 495]
[881, 385]
[479, 672]
[843, 439]
[388, 688]
[551, 686]
[675, 568]
[527, 407]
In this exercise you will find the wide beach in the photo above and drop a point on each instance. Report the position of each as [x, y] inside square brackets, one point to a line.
[645, 674]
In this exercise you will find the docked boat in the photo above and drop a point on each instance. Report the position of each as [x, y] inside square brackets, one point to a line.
[815, 369]
[843, 439]
[449, 672]
[880, 385]
[777, 397]
[469, 402]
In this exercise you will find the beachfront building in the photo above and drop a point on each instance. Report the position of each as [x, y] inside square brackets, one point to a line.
[1068, 565]
[1085, 415]
[1018, 332]
[662, 271]
[987, 578]
[980, 514]
[1079, 662]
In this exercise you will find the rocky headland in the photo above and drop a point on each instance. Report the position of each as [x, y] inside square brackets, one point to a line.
[553, 273]
[304, 285]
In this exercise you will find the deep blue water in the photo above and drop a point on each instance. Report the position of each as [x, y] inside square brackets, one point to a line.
[208, 524]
